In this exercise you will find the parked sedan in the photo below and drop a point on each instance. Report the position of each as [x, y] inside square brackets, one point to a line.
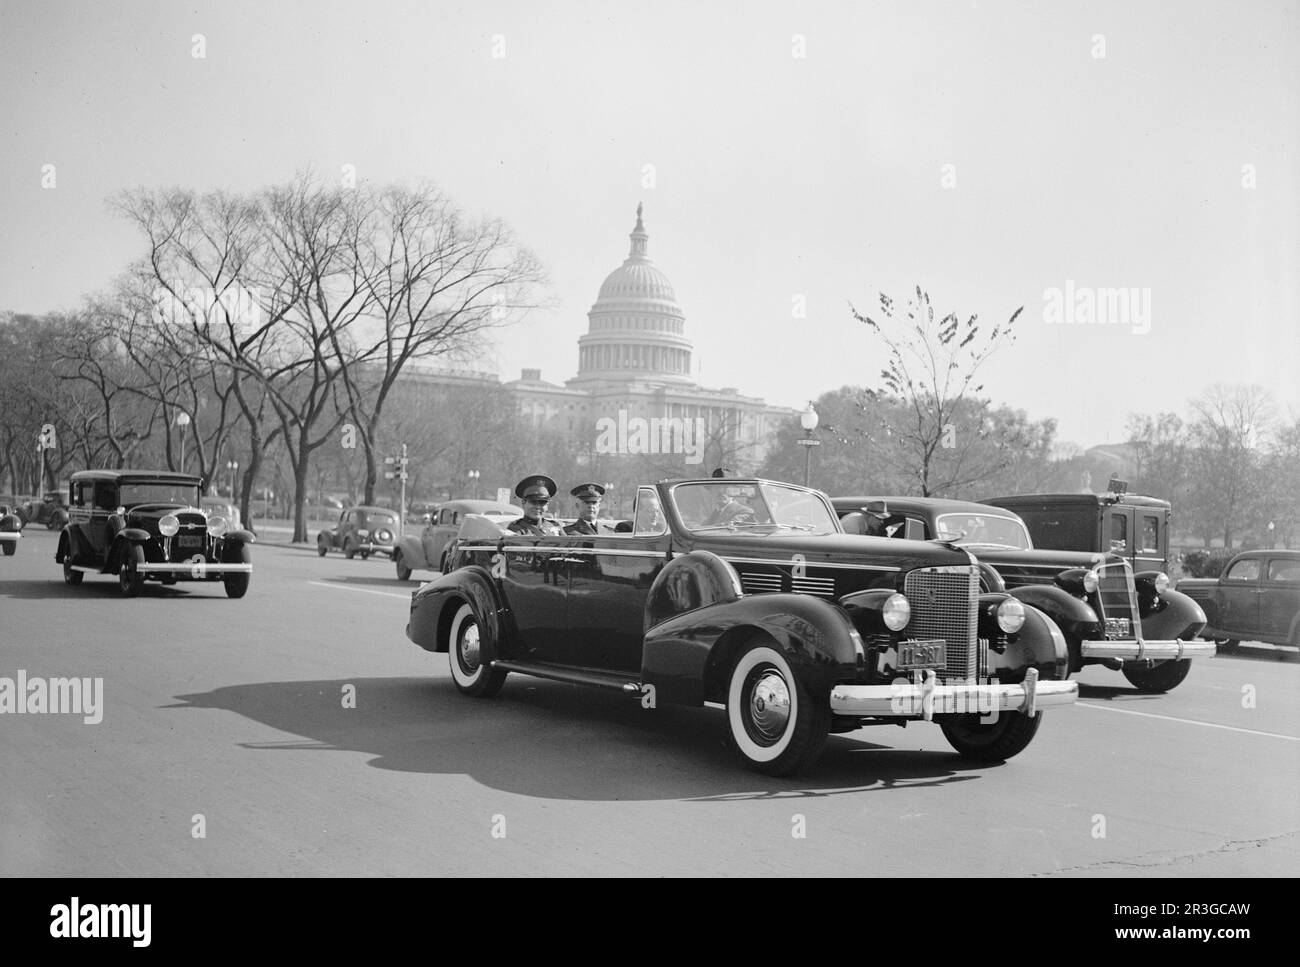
[11, 527]
[1111, 616]
[361, 530]
[426, 551]
[1256, 598]
[797, 628]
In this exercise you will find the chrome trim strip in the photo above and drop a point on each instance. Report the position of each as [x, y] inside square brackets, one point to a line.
[786, 562]
[925, 699]
[190, 566]
[1140, 649]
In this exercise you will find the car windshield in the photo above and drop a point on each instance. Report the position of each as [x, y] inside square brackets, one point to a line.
[161, 492]
[985, 530]
[374, 518]
[718, 506]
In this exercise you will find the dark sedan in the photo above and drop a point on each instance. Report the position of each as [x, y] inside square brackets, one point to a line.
[1256, 598]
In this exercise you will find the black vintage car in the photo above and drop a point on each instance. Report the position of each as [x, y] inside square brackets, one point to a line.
[11, 528]
[1256, 598]
[147, 524]
[746, 592]
[1109, 614]
[361, 530]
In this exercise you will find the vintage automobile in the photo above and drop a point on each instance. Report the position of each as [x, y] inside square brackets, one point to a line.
[50, 511]
[221, 507]
[1116, 522]
[361, 530]
[11, 527]
[1109, 614]
[148, 525]
[796, 628]
[1256, 598]
[426, 551]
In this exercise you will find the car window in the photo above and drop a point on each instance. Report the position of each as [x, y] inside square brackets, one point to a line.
[105, 496]
[649, 518]
[989, 530]
[1118, 532]
[1150, 533]
[1247, 570]
[1283, 570]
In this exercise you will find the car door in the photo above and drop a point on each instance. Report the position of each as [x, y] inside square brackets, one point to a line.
[1118, 531]
[534, 586]
[1279, 599]
[610, 575]
[1239, 593]
[1150, 540]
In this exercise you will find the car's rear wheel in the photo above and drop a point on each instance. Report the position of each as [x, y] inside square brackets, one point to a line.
[70, 574]
[403, 572]
[776, 725]
[1160, 677]
[9, 547]
[993, 741]
[322, 545]
[464, 649]
[348, 550]
[237, 583]
[129, 576]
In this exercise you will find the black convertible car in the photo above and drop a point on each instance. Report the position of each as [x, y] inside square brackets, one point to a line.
[747, 593]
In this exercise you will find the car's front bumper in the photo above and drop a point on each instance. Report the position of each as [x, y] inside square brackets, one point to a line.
[194, 568]
[370, 548]
[1140, 649]
[10, 535]
[926, 698]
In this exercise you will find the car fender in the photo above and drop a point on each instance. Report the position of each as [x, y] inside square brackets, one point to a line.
[432, 610]
[1177, 616]
[326, 536]
[1038, 644]
[136, 535]
[412, 550]
[1074, 617]
[687, 657]
[240, 536]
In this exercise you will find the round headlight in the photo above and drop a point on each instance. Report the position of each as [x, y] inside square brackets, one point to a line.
[169, 525]
[217, 526]
[1011, 616]
[1091, 581]
[897, 612]
[384, 537]
[1161, 583]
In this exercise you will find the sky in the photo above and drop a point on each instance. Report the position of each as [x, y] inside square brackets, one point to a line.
[788, 154]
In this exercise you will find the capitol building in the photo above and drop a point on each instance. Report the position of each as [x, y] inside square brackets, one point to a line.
[634, 364]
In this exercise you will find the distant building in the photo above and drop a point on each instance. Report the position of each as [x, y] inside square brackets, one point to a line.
[634, 366]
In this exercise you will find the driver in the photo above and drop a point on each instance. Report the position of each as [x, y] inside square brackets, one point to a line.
[727, 508]
[536, 492]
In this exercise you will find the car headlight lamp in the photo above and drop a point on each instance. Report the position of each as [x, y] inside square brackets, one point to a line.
[1011, 616]
[217, 526]
[169, 525]
[897, 612]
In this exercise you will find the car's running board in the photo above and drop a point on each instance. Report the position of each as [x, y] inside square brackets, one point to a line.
[578, 676]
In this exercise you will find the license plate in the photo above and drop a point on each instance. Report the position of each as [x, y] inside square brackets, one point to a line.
[927, 653]
[191, 540]
[1119, 628]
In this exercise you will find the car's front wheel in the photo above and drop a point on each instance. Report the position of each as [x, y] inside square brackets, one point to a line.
[403, 572]
[129, 576]
[70, 574]
[348, 550]
[9, 547]
[776, 725]
[322, 545]
[464, 649]
[1160, 677]
[993, 741]
[237, 583]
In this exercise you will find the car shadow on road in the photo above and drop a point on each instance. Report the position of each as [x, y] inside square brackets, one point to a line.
[558, 741]
[1109, 693]
[372, 581]
[95, 587]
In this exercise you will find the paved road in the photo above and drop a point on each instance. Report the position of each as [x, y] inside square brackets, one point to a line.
[234, 711]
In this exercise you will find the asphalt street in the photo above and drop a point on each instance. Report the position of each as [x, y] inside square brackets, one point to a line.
[227, 747]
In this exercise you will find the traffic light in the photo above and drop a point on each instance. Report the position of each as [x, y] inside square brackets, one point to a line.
[398, 468]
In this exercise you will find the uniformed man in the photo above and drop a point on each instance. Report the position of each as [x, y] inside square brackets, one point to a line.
[727, 509]
[588, 497]
[535, 492]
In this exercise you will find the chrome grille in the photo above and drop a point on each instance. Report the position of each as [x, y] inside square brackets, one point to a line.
[1117, 596]
[944, 604]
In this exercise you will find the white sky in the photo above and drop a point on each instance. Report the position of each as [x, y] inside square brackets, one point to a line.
[775, 175]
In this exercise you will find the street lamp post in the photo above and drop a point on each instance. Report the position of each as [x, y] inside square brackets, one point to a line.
[808, 419]
[182, 420]
[473, 483]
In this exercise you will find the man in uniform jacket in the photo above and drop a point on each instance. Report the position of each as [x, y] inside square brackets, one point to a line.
[588, 503]
[535, 492]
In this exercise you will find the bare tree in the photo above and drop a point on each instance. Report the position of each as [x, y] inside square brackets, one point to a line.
[931, 369]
